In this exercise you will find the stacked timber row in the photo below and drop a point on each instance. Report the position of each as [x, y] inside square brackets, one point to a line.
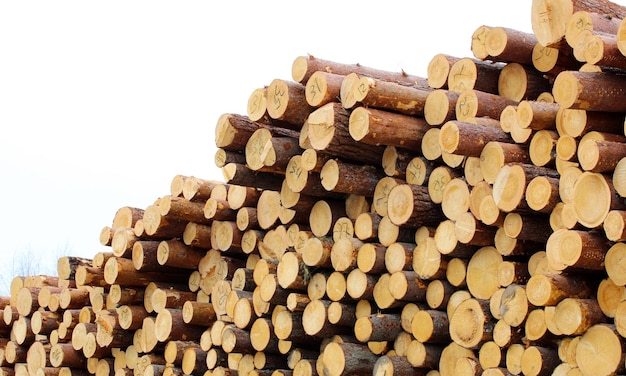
[471, 222]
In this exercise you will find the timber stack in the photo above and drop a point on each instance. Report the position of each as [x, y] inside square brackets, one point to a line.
[471, 222]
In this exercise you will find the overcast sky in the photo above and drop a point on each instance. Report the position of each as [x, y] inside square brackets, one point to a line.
[103, 103]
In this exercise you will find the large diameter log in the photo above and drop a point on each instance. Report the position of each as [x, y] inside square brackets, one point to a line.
[348, 359]
[600, 339]
[378, 127]
[411, 205]
[549, 19]
[471, 324]
[328, 130]
[591, 213]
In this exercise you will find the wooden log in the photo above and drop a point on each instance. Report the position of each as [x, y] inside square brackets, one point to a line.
[469, 74]
[438, 70]
[520, 81]
[379, 127]
[347, 358]
[613, 358]
[510, 45]
[510, 184]
[440, 106]
[471, 323]
[239, 174]
[475, 104]
[323, 87]
[542, 194]
[549, 21]
[329, 131]
[286, 101]
[468, 139]
[370, 92]
[270, 152]
[339, 176]
[305, 66]
[482, 271]
[411, 205]
[596, 91]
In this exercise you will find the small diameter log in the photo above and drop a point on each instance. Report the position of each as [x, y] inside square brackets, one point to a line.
[518, 82]
[66, 266]
[537, 115]
[378, 127]
[510, 184]
[468, 74]
[600, 155]
[440, 106]
[169, 325]
[594, 91]
[542, 194]
[239, 174]
[407, 286]
[305, 66]
[496, 154]
[431, 326]
[458, 137]
[575, 249]
[270, 152]
[411, 205]
[576, 123]
[342, 177]
[438, 70]
[286, 101]
[233, 131]
[477, 104]
[328, 130]
[370, 92]
[323, 87]
[394, 365]
[174, 253]
[510, 45]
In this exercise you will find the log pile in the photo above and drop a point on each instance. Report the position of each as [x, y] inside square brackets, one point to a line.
[471, 222]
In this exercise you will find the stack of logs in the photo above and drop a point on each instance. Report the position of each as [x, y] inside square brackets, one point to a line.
[472, 222]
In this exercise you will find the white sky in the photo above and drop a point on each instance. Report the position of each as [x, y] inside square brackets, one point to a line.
[103, 103]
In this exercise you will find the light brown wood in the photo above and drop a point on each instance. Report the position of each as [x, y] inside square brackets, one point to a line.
[347, 358]
[304, 66]
[343, 177]
[519, 81]
[440, 106]
[410, 204]
[438, 70]
[468, 74]
[379, 127]
[323, 87]
[376, 93]
[328, 131]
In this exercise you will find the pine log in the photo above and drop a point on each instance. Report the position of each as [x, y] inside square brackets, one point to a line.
[468, 74]
[379, 127]
[440, 106]
[305, 66]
